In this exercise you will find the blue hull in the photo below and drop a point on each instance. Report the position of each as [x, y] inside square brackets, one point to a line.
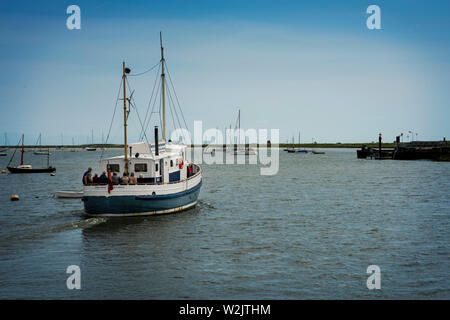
[141, 205]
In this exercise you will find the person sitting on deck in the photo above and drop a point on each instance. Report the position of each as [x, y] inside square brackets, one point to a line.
[125, 179]
[115, 178]
[85, 176]
[103, 178]
[96, 179]
[88, 178]
[133, 179]
[190, 170]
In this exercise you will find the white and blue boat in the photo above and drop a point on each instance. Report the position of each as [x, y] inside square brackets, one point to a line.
[166, 182]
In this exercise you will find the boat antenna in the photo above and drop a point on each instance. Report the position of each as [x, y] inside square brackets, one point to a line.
[163, 88]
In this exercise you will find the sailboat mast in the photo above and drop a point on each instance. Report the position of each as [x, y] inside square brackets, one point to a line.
[239, 127]
[125, 171]
[21, 156]
[163, 89]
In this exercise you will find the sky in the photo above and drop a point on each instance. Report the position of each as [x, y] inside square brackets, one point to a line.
[312, 67]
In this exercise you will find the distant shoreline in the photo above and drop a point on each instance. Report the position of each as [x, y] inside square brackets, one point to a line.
[281, 145]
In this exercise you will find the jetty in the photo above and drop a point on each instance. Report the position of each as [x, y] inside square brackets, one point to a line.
[414, 150]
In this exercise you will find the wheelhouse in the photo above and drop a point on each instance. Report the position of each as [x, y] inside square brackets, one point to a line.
[148, 167]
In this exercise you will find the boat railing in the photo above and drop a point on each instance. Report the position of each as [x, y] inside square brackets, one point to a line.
[197, 170]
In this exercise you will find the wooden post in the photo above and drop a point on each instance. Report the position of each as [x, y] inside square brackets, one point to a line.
[379, 147]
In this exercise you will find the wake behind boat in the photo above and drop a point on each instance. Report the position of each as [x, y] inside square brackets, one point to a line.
[156, 178]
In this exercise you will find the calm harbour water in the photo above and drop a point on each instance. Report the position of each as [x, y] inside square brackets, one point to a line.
[310, 231]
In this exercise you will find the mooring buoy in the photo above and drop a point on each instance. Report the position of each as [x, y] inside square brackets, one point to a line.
[3, 171]
[14, 197]
[52, 174]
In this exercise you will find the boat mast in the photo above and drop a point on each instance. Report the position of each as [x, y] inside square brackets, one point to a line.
[239, 127]
[21, 156]
[163, 89]
[125, 170]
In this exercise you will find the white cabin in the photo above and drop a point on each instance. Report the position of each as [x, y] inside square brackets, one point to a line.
[166, 167]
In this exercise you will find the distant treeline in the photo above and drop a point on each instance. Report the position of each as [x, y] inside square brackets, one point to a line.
[67, 146]
[323, 145]
[281, 145]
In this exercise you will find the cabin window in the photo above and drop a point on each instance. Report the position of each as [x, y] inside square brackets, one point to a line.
[114, 167]
[171, 163]
[156, 167]
[140, 167]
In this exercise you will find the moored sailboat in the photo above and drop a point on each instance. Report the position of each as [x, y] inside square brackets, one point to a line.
[237, 149]
[300, 150]
[26, 168]
[40, 151]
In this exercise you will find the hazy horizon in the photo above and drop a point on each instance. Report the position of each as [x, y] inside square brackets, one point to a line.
[313, 68]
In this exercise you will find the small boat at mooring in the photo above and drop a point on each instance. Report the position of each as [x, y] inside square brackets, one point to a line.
[69, 194]
[26, 168]
[237, 148]
[40, 151]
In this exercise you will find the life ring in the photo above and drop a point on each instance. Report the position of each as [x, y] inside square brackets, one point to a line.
[180, 163]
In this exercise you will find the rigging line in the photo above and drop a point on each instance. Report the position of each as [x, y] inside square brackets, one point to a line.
[176, 114]
[139, 74]
[133, 104]
[176, 96]
[15, 149]
[153, 92]
[153, 96]
[112, 120]
[174, 107]
[154, 105]
[160, 113]
[171, 112]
